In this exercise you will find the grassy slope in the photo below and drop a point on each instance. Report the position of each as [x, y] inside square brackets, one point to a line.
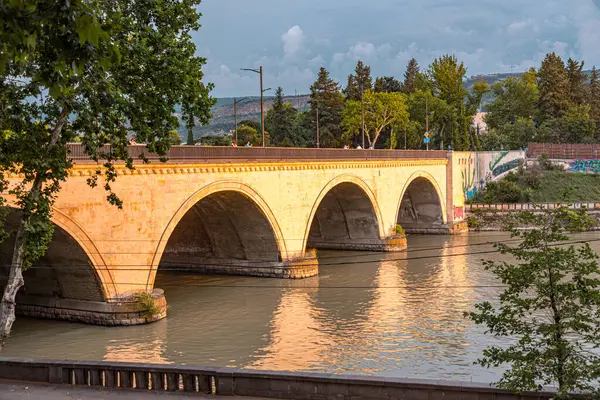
[586, 187]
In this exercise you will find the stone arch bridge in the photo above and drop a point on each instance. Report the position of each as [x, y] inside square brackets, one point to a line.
[248, 211]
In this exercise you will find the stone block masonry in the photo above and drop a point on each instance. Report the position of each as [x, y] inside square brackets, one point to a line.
[222, 213]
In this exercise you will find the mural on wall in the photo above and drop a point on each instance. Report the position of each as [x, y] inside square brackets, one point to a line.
[584, 166]
[506, 167]
[468, 177]
[477, 169]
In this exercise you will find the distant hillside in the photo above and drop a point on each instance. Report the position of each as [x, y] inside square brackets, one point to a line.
[247, 108]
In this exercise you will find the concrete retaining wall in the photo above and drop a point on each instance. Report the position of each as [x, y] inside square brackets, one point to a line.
[239, 382]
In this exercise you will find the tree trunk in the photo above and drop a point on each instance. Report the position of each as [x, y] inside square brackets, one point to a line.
[15, 277]
[15, 282]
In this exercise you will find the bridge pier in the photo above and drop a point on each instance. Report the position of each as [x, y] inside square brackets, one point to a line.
[397, 243]
[125, 312]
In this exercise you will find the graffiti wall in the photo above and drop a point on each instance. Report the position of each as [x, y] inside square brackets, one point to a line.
[584, 166]
[472, 171]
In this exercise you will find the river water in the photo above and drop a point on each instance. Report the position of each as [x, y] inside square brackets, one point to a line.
[398, 315]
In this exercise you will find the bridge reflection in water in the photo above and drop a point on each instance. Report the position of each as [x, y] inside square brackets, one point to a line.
[375, 314]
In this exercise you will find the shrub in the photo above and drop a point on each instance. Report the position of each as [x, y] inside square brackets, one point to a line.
[146, 304]
[399, 230]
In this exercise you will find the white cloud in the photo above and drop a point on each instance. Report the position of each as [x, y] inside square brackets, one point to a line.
[293, 41]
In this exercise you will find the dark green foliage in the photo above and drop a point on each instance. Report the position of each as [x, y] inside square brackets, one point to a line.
[387, 84]
[549, 307]
[576, 81]
[411, 77]
[575, 126]
[503, 191]
[516, 98]
[593, 97]
[281, 123]
[326, 97]
[554, 88]
[360, 78]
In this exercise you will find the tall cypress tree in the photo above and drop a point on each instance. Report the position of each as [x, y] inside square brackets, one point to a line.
[576, 81]
[326, 97]
[555, 88]
[362, 75]
[411, 76]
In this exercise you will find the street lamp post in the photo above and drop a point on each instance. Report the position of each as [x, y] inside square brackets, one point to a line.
[262, 103]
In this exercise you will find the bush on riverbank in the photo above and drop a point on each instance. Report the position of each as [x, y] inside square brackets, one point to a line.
[537, 185]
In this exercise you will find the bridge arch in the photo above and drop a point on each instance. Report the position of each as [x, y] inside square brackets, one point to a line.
[243, 217]
[421, 207]
[72, 268]
[345, 211]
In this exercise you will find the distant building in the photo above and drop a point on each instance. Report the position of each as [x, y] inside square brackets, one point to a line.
[479, 120]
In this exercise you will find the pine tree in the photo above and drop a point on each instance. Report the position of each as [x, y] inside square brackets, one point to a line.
[554, 87]
[361, 76]
[410, 77]
[280, 122]
[326, 97]
[576, 81]
[387, 84]
[593, 97]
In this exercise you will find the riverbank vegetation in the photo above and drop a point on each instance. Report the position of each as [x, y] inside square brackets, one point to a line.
[549, 308]
[538, 185]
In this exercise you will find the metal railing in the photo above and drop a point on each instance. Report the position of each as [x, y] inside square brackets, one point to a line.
[187, 154]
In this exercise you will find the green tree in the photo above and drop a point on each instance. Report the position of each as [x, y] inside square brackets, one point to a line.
[249, 134]
[448, 74]
[325, 96]
[514, 98]
[382, 110]
[361, 76]
[411, 77]
[577, 80]
[252, 124]
[441, 117]
[593, 96]
[102, 70]
[575, 126]
[174, 138]
[554, 88]
[280, 122]
[387, 84]
[549, 307]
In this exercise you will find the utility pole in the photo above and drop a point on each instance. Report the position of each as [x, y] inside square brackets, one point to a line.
[262, 103]
[362, 111]
[262, 107]
[318, 132]
[235, 119]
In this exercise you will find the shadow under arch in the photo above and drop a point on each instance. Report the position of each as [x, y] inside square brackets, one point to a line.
[224, 224]
[345, 216]
[69, 269]
[421, 208]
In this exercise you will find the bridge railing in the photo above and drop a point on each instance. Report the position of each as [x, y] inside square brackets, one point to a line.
[185, 154]
[241, 382]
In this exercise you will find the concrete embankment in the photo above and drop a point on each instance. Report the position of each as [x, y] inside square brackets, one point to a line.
[119, 379]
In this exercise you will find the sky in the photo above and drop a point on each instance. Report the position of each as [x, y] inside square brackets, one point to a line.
[293, 39]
